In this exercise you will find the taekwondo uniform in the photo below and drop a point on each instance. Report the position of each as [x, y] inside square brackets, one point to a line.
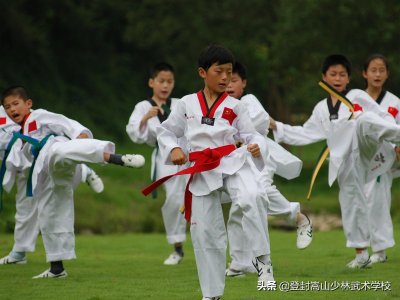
[26, 228]
[378, 190]
[353, 144]
[217, 128]
[53, 175]
[279, 161]
[174, 222]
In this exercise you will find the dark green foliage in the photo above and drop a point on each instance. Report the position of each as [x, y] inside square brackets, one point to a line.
[90, 60]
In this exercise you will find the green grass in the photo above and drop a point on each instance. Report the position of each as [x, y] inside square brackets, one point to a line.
[121, 208]
[129, 266]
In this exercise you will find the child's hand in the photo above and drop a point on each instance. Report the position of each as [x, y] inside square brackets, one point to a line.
[254, 150]
[153, 111]
[178, 157]
[272, 124]
[82, 136]
[397, 150]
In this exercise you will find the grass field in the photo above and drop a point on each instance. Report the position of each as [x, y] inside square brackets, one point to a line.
[129, 266]
[121, 208]
[121, 263]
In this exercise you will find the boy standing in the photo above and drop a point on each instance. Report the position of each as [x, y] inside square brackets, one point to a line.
[211, 121]
[53, 145]
[141, 128]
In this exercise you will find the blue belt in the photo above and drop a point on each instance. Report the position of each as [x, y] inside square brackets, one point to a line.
[36, 147]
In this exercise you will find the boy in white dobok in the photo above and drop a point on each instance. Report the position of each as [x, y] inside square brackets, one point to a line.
[211, 121]
[26, 227]
[278, 161]
[141, 128]
[378, 190]
[52, 145]
[354, 144]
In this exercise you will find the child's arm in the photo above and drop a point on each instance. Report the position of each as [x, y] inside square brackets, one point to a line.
[138, 128]
[309, 133]
[61, 125]
[258, 114]
[170, 131]
[256, 143]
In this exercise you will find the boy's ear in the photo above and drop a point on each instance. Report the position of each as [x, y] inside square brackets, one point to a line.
[29, 103]
[202, 73]
[244, 83]
[364, 74]
[151, 82]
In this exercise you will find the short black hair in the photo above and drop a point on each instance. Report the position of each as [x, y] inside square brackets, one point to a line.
[161, 66]
[240, 69]
[375, 56]
[16, 90]
[215, 54]
[336, 59]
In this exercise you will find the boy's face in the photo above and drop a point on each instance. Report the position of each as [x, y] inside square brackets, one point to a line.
[217, 77]
[376, 73]
[337, 77]
[16, 108]
[162, 85]
[236, 86]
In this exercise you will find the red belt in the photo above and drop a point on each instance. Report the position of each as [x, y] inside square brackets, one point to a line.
[204, 160]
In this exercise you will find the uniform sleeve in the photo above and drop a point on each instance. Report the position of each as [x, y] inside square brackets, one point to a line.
[248, 133]
[169, 132]
[146, 134]
[61, 125]
[309, 133]
[258, 115]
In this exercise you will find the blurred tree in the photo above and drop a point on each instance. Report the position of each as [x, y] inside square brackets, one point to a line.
[89, 60]
[307, 31]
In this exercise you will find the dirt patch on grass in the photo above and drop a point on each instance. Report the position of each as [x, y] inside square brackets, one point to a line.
[321, 222]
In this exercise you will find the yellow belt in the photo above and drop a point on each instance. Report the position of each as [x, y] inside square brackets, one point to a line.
[324, 154]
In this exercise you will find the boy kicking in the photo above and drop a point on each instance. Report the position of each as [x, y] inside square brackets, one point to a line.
[52, 145]
[280, 161]
[360, 148]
